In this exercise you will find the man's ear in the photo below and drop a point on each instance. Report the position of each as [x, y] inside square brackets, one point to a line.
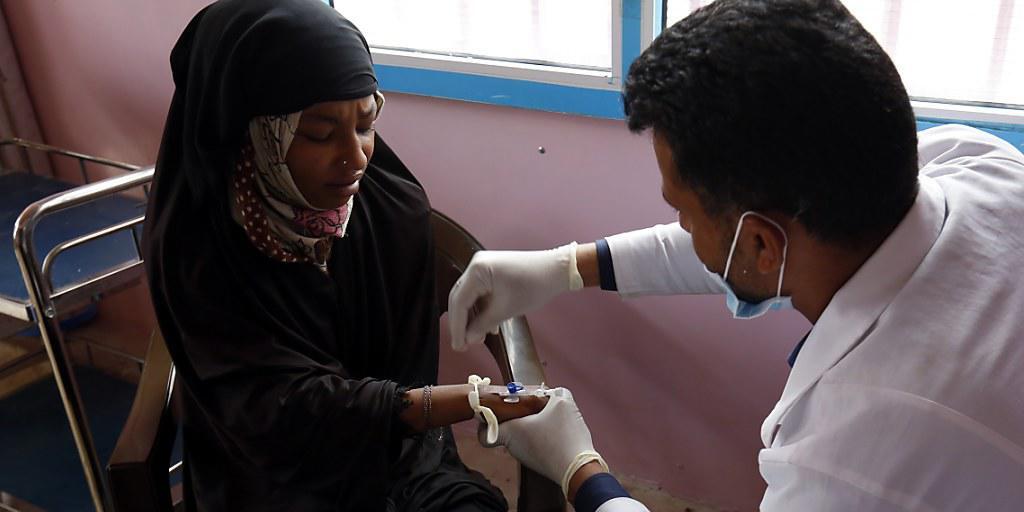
[770, 244]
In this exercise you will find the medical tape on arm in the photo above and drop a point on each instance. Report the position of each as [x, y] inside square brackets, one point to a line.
[484, 413]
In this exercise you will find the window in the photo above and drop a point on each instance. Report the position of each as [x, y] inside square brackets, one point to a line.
[568, 42]
[557, 55]
[956, 57]
[947, 51]
[573, 34]
[676, 10]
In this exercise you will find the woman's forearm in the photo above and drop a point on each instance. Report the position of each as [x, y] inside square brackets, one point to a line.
[449, 404]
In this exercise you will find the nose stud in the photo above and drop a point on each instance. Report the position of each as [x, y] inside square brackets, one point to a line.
[344, 162]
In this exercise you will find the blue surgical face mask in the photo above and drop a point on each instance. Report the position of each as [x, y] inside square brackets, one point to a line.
[741, 308]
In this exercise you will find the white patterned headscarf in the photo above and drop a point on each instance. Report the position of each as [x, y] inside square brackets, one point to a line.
[268, 205]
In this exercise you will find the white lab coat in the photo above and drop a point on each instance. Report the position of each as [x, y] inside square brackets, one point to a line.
[909, 391]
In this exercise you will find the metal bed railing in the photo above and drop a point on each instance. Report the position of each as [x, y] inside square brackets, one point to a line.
[20, 310]
[47, 302]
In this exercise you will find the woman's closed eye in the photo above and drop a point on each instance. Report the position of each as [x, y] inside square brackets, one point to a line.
[317, 135]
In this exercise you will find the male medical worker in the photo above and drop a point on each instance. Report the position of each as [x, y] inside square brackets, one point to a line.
[786, 141]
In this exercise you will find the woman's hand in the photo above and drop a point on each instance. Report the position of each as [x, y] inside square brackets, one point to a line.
[526, 406]
[555, 443]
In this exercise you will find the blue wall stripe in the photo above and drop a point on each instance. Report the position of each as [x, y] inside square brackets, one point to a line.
[1012, 133]
[501, 91]
[567, 99]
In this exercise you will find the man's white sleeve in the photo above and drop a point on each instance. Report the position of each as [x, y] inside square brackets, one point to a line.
[658, 261]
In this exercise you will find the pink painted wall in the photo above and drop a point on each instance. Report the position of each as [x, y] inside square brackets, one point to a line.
[17, 118]
[673, 390]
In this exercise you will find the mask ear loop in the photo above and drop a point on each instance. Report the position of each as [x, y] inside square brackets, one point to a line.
[732, 248]
[785, 250]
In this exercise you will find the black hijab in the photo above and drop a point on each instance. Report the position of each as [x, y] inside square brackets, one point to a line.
[293, 378]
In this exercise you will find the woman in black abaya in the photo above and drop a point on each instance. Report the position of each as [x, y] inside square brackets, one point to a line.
[290, 260]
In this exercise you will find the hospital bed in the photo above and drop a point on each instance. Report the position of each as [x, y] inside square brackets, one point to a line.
[72, 243]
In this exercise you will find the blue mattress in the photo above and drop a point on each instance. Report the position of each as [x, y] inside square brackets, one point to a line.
[18, 190]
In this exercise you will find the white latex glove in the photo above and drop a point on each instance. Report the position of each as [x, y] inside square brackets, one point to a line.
[498, 285]
[554, 442]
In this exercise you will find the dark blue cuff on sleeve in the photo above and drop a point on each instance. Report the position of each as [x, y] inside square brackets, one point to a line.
[605, 267]
[596, 490]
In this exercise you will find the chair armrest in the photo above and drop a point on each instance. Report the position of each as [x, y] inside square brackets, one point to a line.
[512, 348]
[518, 361]
[515, 354]
[138, 466]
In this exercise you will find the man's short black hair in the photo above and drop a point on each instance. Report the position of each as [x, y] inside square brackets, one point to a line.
[785, 105]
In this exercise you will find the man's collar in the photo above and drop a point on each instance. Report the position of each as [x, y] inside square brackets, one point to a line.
[856, 306]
